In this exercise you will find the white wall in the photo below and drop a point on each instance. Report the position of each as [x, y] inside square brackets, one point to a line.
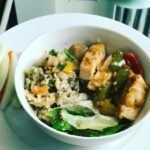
[98, 7]
[28, 9]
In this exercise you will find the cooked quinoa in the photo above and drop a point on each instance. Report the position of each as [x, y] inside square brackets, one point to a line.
[54, 82]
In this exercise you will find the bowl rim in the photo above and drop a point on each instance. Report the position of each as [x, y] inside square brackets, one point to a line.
[42, 124]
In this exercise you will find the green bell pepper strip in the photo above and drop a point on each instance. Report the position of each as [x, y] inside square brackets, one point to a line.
[102, 93]
[121, 78]
[117, 61]
[70, 56]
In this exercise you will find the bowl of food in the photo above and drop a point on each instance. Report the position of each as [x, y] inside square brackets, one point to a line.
[84, 85]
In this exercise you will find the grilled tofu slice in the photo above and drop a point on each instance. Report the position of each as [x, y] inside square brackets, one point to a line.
[105, 64]
[100, 78]
[133, 98]
[94, 55]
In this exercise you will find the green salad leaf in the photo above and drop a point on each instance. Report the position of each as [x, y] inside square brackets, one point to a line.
[63, 125]
[80, 111]
[107, 131]
[57, 122]
[51, 85]
[53, 52]
[27, 86]
[61, 66]
[97, 122]
[55, 116]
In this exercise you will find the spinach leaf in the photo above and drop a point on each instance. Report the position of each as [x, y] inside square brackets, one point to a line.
[53, 52]
[115, 129]
[61, 66]
[57, 122]
[86, 133]
[55, 116]
[51, 85]
[33, 72]
[27, 86]
[80, 111]
[107, 131]
[63, 125]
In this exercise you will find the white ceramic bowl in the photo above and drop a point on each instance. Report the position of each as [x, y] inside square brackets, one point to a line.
[63, 38]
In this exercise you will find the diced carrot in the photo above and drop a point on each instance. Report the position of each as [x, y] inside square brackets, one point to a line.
[40, 90]
[10, 53]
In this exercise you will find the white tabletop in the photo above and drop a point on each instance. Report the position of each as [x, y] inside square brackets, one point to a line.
[17, 130]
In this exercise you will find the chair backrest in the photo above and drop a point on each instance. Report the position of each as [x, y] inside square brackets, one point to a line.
[5, 12]
[136, 15]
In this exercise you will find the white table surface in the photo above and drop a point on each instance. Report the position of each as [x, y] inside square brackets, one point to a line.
[17, 130]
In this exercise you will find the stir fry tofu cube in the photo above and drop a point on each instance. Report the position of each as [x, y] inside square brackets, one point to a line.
[94, 55]
[105, 64]
[133, 98]
[100, 78]
[128, 112]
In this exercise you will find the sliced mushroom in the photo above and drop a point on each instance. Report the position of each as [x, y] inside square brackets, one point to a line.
[78, 50]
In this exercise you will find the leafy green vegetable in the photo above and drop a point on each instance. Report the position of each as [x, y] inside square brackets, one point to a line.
[32, 72]
[27, 86]
[51, 83]
[63, 125]
[70, 56]
[117, 61]
[87, 133]
[53, 52]
[97, 122]
[52, 87]
[80, 111]
[107, 131]
[57, 122]
[61, 66]
[115, 129]
[55, 116]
